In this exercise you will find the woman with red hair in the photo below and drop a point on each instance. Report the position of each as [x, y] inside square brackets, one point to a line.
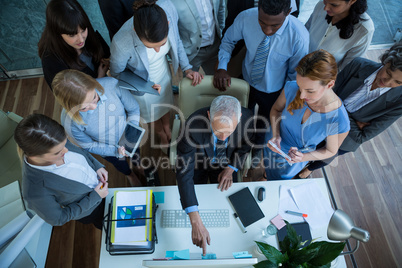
[306, 113]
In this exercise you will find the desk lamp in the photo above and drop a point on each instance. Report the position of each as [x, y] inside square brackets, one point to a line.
[341, 227]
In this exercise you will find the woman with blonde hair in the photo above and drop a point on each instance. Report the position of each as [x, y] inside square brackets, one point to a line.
[95, 114]
[306, 113]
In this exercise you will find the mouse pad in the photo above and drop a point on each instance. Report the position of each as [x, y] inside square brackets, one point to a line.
[246, 207]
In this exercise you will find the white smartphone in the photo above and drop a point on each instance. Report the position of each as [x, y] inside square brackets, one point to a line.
[131, 138]
[282, 153]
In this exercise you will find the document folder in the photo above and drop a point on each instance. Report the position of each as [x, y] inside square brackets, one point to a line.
[144, 247]
[136, 84]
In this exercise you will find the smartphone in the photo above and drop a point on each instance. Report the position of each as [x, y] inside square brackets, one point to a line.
[282, 153]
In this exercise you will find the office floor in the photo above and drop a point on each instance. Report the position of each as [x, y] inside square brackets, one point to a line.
[367, 185]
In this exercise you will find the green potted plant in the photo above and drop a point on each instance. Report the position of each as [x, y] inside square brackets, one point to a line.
[316, 254]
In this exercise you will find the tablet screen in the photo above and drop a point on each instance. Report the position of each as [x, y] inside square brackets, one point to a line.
[130, 138]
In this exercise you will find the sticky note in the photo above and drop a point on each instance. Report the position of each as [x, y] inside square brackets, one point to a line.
[178, 254]
[242, 255]
[182, 255]
[169, 253]
[208, 256]
[278, 222]
[159, 197]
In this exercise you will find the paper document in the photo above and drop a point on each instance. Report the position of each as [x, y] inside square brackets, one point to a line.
[310, 200]
[286, 202]
[129, 207]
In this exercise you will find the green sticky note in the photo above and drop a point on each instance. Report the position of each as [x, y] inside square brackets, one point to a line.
[159, 197]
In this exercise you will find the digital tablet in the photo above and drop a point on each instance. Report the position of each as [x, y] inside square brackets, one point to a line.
[131, 138]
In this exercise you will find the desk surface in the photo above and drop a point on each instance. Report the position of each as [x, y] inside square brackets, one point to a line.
[224, 241]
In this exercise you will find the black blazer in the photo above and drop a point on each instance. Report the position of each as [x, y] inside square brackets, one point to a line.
[51, 64]
[380, 113]
[239, 146]
[115, 13]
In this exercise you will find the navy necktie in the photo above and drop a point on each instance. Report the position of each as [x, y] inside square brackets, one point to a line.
[220, 150]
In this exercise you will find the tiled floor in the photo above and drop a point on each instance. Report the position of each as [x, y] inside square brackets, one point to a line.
[22, 22]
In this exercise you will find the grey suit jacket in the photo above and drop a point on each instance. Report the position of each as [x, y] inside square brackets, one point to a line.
[190, 23]
[127, 50]
[380, 113]
[58, 200]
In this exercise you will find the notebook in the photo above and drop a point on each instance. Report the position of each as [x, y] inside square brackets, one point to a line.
[246, 207]
[301, 228]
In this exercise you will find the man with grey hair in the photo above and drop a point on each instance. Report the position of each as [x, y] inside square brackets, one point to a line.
[215, 144]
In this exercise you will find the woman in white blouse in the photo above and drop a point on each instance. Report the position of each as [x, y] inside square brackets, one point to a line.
[341, 27]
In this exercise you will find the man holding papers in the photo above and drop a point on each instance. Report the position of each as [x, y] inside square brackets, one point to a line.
[215, 144]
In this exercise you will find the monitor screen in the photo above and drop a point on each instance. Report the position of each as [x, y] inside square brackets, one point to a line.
[223, 263]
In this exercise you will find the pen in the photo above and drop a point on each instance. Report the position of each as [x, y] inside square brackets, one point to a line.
[296, 213]
[240, 223]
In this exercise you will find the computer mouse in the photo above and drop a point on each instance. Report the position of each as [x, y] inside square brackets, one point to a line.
[261, 194]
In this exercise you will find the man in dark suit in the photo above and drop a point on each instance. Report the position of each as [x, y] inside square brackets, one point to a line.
[372, 94]
[215, 144]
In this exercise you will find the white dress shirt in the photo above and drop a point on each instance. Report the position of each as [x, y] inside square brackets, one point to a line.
[324, 35]
[364, 95]
[75, 168]
[205, 11]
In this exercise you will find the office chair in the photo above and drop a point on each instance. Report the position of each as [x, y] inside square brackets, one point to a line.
[193, 98]
[10, 164]
[24, 238]
[22, 235]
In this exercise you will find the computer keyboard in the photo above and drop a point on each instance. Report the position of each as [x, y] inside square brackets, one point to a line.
[173, 218]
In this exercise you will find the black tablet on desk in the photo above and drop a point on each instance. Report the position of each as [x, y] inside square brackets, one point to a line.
[246, 207]
[131, 138]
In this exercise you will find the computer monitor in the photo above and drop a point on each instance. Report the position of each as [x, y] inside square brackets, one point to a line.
[199, 263]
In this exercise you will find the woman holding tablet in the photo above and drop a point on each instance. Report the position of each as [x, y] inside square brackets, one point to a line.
[70, 42]
[142, 45]
[306, 113]
[60, 181]
[95, 114]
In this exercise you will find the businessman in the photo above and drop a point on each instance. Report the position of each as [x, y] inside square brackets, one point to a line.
[200, 27]
[275, 43]
[215, 144]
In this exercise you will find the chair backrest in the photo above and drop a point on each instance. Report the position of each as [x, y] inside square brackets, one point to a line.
[193, 98]
[10, 164]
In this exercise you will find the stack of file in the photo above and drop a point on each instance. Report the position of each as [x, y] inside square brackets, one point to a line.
[132, 212]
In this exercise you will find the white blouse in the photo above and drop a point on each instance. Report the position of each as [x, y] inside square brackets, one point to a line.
[326, 36]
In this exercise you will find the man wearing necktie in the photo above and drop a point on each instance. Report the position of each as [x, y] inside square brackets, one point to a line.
[216, 141]
[275, 44]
